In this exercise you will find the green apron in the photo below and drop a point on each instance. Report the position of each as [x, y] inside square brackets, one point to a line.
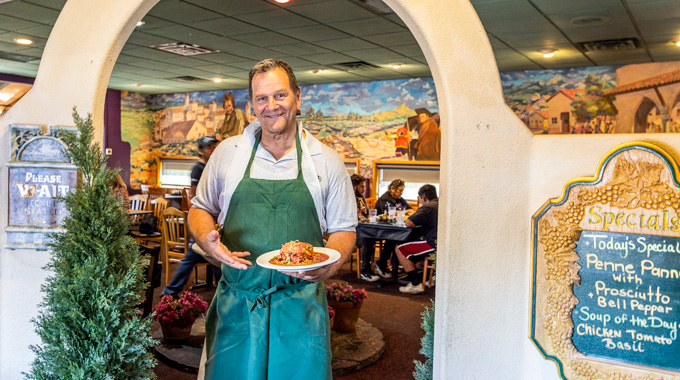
[263, 324]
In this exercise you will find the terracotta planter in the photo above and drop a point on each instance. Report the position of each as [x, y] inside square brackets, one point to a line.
[332, 318]
[346, 315]
[176, 333]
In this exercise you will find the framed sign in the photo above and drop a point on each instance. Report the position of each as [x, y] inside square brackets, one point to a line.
[606, 270]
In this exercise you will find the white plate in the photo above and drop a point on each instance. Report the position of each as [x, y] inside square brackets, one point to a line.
[263, 260]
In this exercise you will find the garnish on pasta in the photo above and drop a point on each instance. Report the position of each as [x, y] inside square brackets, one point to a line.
[296, 253]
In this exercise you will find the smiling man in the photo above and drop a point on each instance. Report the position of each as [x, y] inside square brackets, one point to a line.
[273, 184]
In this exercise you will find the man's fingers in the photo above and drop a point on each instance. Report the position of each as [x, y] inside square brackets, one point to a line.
[240, 254]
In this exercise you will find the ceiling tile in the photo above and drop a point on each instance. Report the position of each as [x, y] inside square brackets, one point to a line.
[42, 31]
[396, 19]
[652, 27]
[8, 22]
[328, 58]
[149, 53]
[276, 19]
[255, 53]
[590, 7]
[30, 12]
[266, 39]
[226, 27]
[342, 44]
[151, 22]
[655, 10]
[418, 70]
[408, 50]
[124, 58]
[598, 33]
[224, 70]
[181, 33]
[617, 16]
[181, 12]
[497, 12]
[191, 62]
[234, 7]
[375, 56]
[367, 27]
[314, 33]
[222, 57]
[9, 37]
[299, 49]
[148, 64]
[54, 4]
[332, 11]
[392, 39]
[539, 40]
[144, 39]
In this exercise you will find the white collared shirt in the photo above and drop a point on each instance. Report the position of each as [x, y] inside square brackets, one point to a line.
[339, 212]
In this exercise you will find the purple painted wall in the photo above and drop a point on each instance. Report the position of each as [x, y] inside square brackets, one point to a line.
[120, 155]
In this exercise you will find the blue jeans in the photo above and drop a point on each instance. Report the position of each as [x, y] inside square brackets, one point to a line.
[183, 272]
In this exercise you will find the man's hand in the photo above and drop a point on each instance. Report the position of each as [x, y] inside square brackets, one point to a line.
[316, 275]
[214, 247]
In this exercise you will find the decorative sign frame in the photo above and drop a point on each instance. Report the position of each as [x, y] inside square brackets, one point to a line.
[39, 172]
[606, 270]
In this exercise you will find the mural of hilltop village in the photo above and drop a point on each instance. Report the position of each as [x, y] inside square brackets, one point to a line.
[366, 120]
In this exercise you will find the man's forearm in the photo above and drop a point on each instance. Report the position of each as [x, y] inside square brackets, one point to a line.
[201, 223]
[343, 242]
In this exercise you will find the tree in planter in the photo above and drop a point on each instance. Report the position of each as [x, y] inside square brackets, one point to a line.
[423, 371]
[88, 321]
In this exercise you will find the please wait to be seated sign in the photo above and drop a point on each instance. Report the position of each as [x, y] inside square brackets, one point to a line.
[606, 270]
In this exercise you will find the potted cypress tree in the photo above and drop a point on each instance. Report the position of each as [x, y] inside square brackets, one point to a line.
[88, 323]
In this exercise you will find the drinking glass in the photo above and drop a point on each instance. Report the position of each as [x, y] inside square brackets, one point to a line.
[372, 214]
[400, 217]
[391, 211]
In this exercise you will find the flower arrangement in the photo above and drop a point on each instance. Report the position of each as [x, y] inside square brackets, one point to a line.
[180, 312]
[344, 292]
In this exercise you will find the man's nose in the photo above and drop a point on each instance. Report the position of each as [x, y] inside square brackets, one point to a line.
[271, 103]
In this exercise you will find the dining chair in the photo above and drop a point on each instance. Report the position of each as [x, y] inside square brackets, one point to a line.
[153, 275]
[428, 271]
[175, 240]
[157, 192]
[186, 198]
[356, 255]
[137, 202]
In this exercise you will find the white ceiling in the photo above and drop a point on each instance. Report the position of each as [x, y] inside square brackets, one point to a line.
[319, 34]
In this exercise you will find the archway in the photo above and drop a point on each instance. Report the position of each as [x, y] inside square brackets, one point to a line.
[646, 116]
[459, 55]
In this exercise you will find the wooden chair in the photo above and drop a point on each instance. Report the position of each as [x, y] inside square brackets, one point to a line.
[186, 198]
[428, 271]
[157, 192]
[175, 240]
[138, 202]
[158, 205]
[356, 255]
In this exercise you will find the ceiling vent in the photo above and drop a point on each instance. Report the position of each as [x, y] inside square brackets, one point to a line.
[354, 66]
[618, 44]
[375, 6]
[17, 57]
[183, 49]
[190, 79]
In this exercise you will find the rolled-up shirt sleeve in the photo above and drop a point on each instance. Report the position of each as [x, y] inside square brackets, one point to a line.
[341, 206]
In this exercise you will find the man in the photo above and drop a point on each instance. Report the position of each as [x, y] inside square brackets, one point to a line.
[273, 184]
[425, 220]
[428, 147]
[206, 146]
[234, 120]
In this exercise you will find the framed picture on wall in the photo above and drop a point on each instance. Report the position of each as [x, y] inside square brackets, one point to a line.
[175, 171]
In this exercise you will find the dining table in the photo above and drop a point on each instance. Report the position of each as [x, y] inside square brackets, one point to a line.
[387, 231]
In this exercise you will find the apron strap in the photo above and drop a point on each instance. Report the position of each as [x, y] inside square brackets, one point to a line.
[298, 149]
[261, 297]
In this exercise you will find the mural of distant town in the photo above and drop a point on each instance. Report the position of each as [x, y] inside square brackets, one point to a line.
[395, 119]
[399, 119]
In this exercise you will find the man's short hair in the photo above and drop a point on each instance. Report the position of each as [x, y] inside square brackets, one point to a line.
[357, 179]
[206, 141]
[429, 191]
[272, 64]
[229, 97]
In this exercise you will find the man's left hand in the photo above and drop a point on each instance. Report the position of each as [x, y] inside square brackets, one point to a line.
[316, 275]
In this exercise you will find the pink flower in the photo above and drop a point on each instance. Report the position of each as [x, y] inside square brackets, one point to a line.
[180, 312]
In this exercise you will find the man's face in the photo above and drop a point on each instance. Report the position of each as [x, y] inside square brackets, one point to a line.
[422, 117]
[208, 151]
[228, 107]
[274, 102]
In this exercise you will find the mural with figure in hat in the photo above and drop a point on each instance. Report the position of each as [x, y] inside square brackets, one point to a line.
[395, 119]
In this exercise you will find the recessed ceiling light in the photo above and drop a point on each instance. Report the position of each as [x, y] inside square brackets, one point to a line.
[316, 71]
[677, 43]
[23, 41]
[139, 84]
[282, 1]
[547, 53]
[396, 65]
[140, 23]
[217, 80]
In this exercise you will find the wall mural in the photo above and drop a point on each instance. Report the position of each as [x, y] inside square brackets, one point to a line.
[395, 119]
[399, 119]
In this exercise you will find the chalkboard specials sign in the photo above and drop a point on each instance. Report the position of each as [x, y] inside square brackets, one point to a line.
[606, 270]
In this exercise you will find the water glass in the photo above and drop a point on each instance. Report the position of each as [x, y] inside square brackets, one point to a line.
[400, 217]
[372, 214]
[391, 211]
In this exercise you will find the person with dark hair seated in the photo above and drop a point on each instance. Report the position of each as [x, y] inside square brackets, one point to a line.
[359, 185]
[425, 221]
[392, 197]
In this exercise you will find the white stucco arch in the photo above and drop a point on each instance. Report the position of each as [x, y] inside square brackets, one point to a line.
[495, 174]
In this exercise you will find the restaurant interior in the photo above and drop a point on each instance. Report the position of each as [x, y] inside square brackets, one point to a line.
[366, 88]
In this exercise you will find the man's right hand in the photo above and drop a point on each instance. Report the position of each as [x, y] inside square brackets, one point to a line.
[214, 247]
